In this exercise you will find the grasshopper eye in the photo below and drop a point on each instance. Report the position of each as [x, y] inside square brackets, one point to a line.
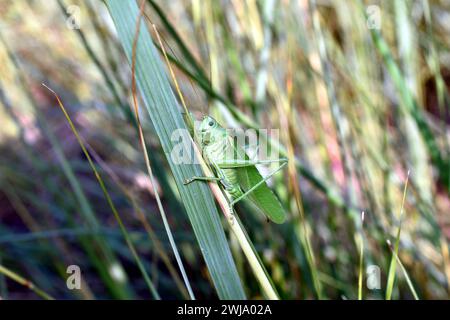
[211, 123]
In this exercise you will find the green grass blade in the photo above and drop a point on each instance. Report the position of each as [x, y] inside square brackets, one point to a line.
[393, 263]
[166, 118]
[149, 168]
[405, 273]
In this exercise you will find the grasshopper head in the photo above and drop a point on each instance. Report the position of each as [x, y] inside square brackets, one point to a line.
[206, 128]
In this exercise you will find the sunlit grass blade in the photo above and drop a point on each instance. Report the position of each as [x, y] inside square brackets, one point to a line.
[360, 243]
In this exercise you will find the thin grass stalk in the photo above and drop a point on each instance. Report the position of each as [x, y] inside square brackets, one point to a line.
[392, 266]
[118, 289]
[187, 55]
[405, 273]
[101, 68]
[125, 108]
[124, 231]
[21, 280]
[3, 288]
[142, 217]
[33, 225]
[361, 266]
[286, 113]
[147, 161]
[360, 244]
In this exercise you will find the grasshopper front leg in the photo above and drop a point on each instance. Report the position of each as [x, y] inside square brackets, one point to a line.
[196, 178]
[230, 215]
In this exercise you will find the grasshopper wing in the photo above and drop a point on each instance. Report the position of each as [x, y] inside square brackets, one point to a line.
[262, 197]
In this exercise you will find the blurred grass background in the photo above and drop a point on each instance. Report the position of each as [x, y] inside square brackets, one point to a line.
[358, 108]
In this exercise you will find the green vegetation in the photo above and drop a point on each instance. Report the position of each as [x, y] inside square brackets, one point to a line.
[87, 177]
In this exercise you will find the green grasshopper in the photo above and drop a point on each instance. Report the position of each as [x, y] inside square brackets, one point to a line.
[238, 176]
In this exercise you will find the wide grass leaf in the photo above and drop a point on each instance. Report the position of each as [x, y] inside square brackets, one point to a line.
[164, 112]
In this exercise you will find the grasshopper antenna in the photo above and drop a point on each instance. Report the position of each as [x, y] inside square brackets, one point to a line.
[173, 56]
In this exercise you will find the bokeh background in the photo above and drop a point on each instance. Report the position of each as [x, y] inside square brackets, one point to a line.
[359, 90]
